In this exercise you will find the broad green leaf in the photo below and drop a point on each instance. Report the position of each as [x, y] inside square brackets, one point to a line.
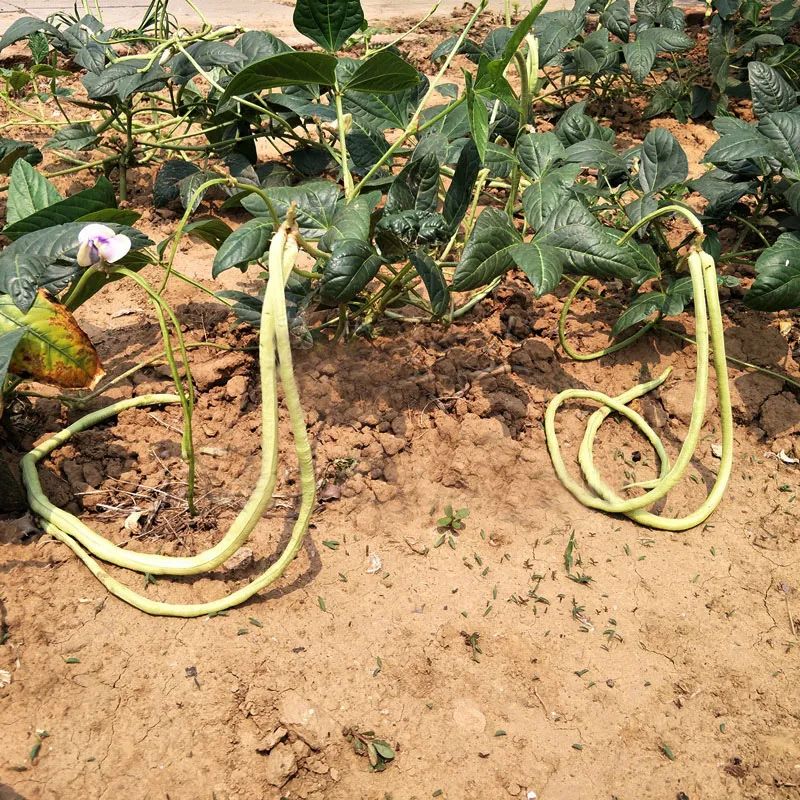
[208, 55]
[257, 45]
[74, 137]
[19, 278]
[575, 125]
[166, 188]
[383, 73]
[351, 220]
[284, 69]
[316, 205]
[120, 216]
[456, 201]
[722, 190]
[569, 213]
[487, 254]
[352, 265]
[743, 143]
[782, 128]
[662, 161]
[249, 242]
[541, 263]
[554, 31]
[210, 230]
[595, 250]
[329, 23]
[478, 119]
[416, 187]
[28, 192]
[769, 89]
[123, 79]
[667, 303]
[545, 194]
[537, 153]
[777, 285]
[100, 196]
[640, 55]
[24, 27]
[379, 112]
[617, 18]
[52, 348]
[432, 277]
[11, 150]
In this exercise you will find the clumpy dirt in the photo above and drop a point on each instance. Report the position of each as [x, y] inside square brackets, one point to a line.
[651, 665]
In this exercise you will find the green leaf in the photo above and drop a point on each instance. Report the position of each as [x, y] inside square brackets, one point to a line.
[456, 201]
[351, 220]
[595, 250]
[432, 277]
[24, 27]
[329, 23]
[545, 194]
[478, 119]
[379, 112]
[537, 153]
[743, 143]
[541, 263]
[617, 18]
[257, 45]
[100, 196]
[19, 278]
[782, 128]
[383, 73]
[383, 749]
[416, 187]
[28, 192]
[52, 348]
[644, 305]
[521, 30]
[74, 137]
[640, 55]
[352, 265]
[487, 254]
[210, 230]
[166, 188]
[123, 79]
[769, 89]
[662, 161]
[11, 150]
[284, 69]
[777, 283]
[316, 205]
[249, 242]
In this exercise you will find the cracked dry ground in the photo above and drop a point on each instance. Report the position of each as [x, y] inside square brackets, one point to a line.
[681, 645]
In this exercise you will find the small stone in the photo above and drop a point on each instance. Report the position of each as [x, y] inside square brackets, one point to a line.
[92, 475]
[301, 749]
[280, 766]
[236, 389]
[313, 725]
[384, 492]
[243, 557]
[391, 444]
[272, 739]
[317, 765]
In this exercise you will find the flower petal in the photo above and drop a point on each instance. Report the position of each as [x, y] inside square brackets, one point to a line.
[85, 255]
[95, 231]
[115, 248]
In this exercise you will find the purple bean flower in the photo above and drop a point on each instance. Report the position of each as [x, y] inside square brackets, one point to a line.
[99, 245]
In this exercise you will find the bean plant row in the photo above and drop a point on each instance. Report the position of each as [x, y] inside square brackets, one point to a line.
[379, 191]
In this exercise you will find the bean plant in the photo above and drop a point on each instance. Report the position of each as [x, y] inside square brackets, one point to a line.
[377, 191]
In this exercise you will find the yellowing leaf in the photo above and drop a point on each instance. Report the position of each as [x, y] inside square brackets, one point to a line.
[48, 345]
